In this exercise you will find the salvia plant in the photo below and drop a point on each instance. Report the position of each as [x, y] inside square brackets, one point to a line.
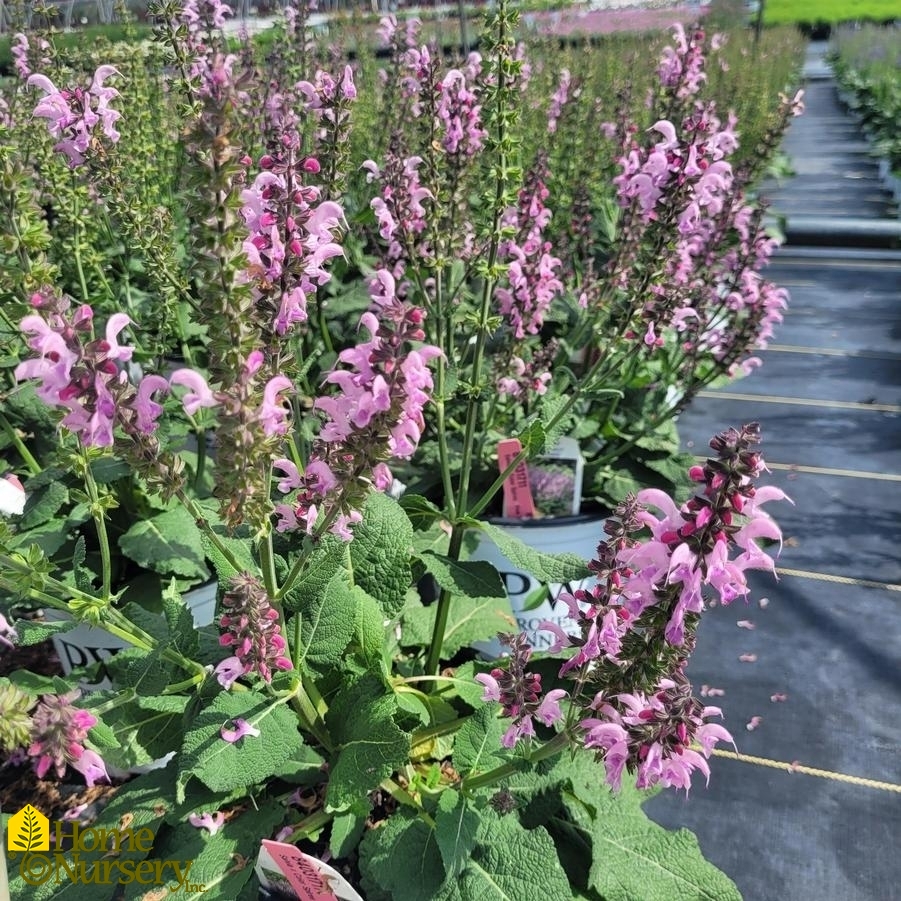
[245, 344]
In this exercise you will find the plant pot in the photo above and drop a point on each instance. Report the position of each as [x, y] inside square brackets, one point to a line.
[577, 535]
[86, 645]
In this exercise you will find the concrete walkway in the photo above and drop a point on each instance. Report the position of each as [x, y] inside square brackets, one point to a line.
[828, 398]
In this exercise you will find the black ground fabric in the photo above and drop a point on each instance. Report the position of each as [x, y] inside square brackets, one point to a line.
[820, 666]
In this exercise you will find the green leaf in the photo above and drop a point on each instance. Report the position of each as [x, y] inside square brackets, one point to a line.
[102, 736]
[31, 632]
[223, 862]
[665, 438]
[380, 553]
[347, 829]
[632, 856]
[223, 766]
[474, 578]
[369, 632]
[477, 746]
[320, 568]
[179, 621]
[145, 729]
[543, 566]
[43, 505]
[166, 543]
[83, 577]
[421, 511]
[402, 859]
[327, 623]
[371, 745]
[239, 548]
[470, 620]
[456, 825]
[510, 863]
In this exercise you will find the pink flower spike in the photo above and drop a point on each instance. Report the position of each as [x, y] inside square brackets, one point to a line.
[549, 709]
[242, 728]
[753, 723]
[199, 394]
[211, 822]
[12, 496]
[90, 764]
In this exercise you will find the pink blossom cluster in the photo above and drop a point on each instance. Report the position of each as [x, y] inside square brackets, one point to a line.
[324, 92]
[377, 414]
[532, 279]
[400, 209]
[26, 54]
[459, 112]
[652, 571]
[251, 631]
[519, 693]
[76, 372]
[291, 236]
[72, 115]
[559, 99]
[8, 634]
[58, 733]
[682, 66]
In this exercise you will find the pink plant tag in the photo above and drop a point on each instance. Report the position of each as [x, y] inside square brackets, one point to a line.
[287, 870]
[518, 503]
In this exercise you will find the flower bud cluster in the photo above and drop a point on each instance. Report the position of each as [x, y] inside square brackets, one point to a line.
[251, 631]
[58, 734]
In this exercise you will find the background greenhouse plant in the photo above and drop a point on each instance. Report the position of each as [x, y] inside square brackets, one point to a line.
[263, 288]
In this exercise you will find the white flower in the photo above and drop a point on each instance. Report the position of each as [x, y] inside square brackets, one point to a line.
[12, 496]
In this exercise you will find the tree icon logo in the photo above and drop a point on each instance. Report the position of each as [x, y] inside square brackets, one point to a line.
[28, 830]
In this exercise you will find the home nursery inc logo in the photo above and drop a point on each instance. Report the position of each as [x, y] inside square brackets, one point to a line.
[89, 856]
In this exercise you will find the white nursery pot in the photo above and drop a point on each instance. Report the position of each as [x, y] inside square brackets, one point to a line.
[86, 645]
[577, 535]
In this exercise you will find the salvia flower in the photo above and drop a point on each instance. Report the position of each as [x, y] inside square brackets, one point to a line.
[519, 693]
[212, 822]
[72, 115]
[58, 733]
[251, 630]
[12, 496]
[241, 728]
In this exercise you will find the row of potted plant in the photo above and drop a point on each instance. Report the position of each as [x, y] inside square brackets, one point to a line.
[230, 350]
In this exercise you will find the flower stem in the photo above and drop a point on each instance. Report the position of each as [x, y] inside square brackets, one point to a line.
[33, 466]
[99, 515]
[557, 744]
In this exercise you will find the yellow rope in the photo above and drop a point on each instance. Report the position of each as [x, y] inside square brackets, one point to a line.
[808, 770]
[841, 580]
[800, 401]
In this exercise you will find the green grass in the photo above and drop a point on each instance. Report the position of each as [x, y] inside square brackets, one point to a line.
[787, 12]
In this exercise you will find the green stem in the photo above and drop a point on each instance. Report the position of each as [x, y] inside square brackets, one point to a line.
[558, 743]
[33, 466]
[447, 728]
[99, 515]
[442, 612]
[313, 823]
[404, 797]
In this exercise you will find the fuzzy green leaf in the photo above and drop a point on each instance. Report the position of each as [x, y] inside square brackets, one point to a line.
[632, 856]
[180, 622]
[223, 862]
[31, 632]
[145, 729]
[380, 553]
[320, 568]
[456, 825]
[166, 543]
[222, 765]
[43, 505]
[545, 567]
[477, 747]
[470, 620]
[327, 623]
[347, 829]
[473, 578]
[402, 860]
[240, 550]
[371, 745]
[369, 632]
